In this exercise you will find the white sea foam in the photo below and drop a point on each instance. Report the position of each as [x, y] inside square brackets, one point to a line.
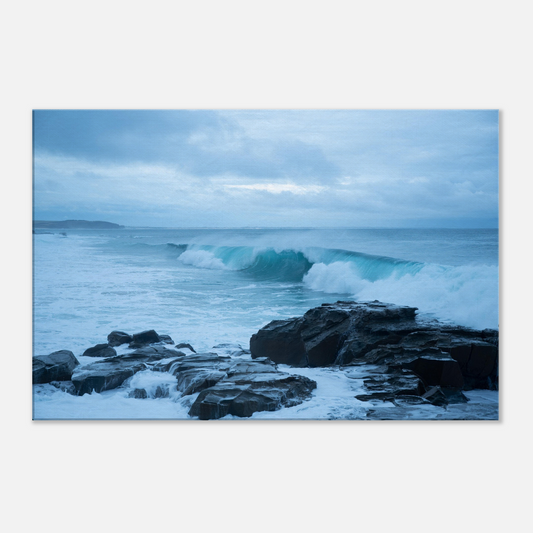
[202, 259]
[467, 294]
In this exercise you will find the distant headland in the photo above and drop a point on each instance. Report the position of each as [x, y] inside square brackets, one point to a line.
[74, 224]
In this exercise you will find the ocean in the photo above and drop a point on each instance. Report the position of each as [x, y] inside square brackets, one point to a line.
[216, 287]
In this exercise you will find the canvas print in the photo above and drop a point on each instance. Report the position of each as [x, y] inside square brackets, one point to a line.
[265, 265]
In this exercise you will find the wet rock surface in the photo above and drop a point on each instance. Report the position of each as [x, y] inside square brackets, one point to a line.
[110, 373]
[249, 387]
[382, 356]
[57, 366]
[414, 356]
[100, 350]
[117, 338]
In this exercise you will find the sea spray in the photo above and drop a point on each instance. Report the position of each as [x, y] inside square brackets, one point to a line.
[466, 294]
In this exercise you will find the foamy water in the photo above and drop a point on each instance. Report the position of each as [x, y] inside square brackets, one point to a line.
[207, 287]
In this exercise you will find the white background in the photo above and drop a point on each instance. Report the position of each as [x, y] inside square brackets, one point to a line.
[252, 476]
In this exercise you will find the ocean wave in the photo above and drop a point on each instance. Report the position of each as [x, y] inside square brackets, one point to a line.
[202, 259]
[466, 294]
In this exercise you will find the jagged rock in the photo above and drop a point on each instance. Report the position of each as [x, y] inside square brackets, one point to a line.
[244, 394]
[57, 366]
[100, 350]
[116, 338]
[322, 332]
[384, 334]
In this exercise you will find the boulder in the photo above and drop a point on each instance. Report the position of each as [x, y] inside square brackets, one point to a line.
[244, 394]
[144, 338]
[100, 350]
[57, 366]
[116, 338]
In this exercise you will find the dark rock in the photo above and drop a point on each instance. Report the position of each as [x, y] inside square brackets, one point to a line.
[185, 345]
[281, 340]
[352, 333]
[145, 337]
[100, 350]
[478, 361]
[192, 381]
[116, 338]
[142, 394]
[323, 333]
[105, 375]
[244, 394]
[58, 366]
[198, 372]
[441, 371]
[384, 386]
[166, 339]
[332, 333]
[138, 394]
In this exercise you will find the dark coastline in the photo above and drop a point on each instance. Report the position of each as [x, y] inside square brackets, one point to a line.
[74, 224]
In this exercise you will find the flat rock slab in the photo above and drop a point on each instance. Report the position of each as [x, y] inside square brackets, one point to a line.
[105, 375]
[244, 394]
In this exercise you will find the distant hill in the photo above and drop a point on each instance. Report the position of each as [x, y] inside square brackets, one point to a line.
[75, 224]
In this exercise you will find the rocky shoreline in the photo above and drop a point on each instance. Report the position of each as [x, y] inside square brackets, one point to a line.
[402, 358]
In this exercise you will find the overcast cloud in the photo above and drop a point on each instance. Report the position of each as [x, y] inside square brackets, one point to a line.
[268, 168]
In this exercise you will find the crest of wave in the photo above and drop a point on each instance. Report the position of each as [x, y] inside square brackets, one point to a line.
[466, 295]
[202, 259]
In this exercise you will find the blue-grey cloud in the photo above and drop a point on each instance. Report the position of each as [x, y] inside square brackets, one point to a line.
[310, 168]
[203, 143]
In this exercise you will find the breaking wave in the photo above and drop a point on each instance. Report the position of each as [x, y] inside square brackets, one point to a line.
[466, 294]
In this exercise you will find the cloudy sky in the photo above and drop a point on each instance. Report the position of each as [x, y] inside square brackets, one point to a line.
[268, 168]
